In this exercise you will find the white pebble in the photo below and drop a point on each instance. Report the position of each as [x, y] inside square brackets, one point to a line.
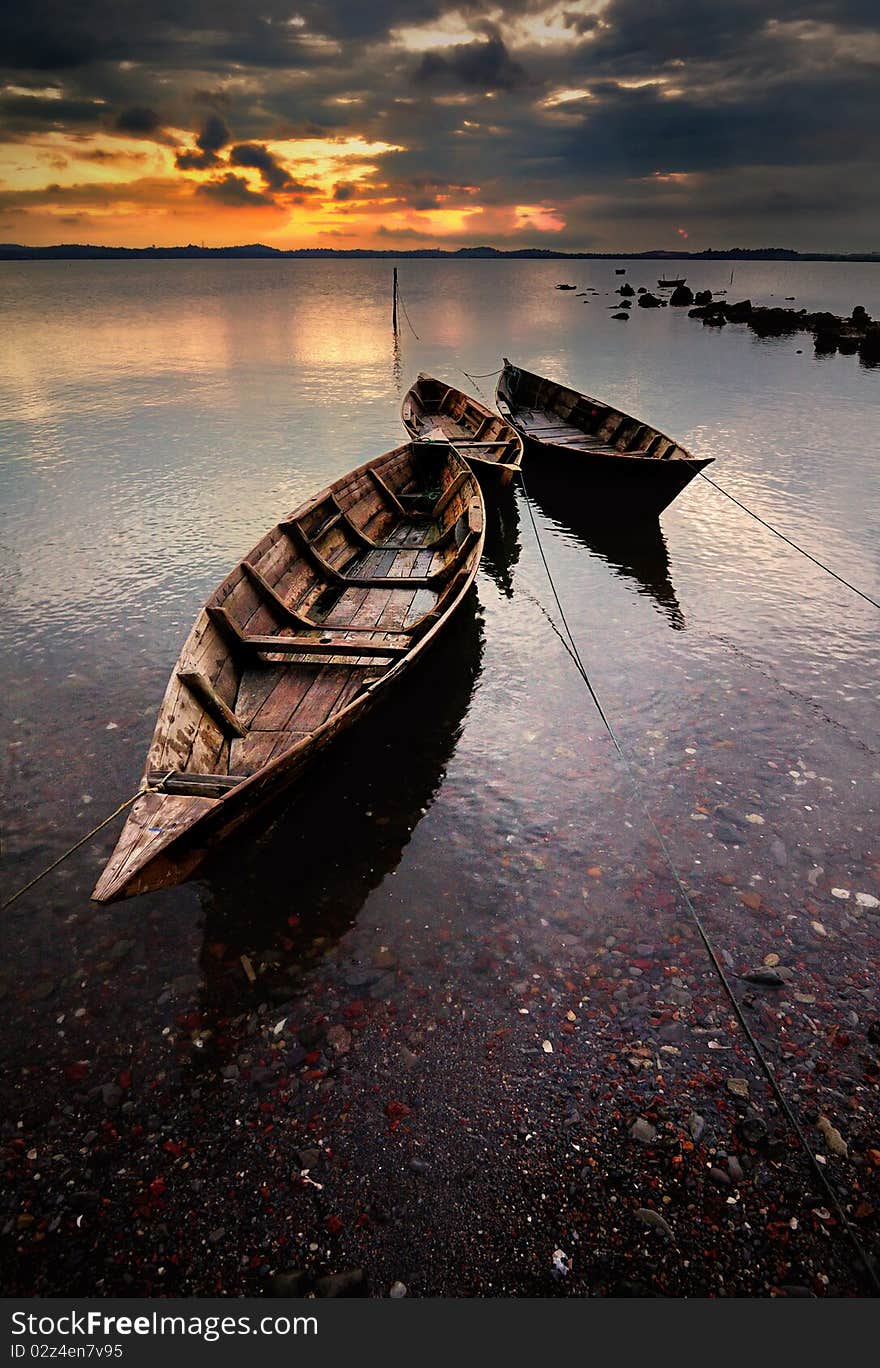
[867, 900]
[842, 893]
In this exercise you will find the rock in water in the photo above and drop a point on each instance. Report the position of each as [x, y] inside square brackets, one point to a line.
[653, 1218]
[771, 977]
[682, 295]
[833, 1138]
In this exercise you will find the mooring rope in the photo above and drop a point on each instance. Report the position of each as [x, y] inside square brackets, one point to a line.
[145, 788]
[783, 537]
[757, 1049]
[406, 315]
[482, 375]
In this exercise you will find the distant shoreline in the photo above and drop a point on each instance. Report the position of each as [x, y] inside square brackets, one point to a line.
[11, 251]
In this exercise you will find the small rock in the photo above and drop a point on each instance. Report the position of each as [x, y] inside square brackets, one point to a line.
[719, 1177]
[752, 1129]
[764, 974]
[339, 1039]
[653, 1218]
[833, 1138]
[397, 1290]
[643, 1131]
[738, 1087]
[696, 1126]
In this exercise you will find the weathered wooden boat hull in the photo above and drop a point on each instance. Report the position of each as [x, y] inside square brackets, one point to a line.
[622, 460]
[330, 609]
[433, 411]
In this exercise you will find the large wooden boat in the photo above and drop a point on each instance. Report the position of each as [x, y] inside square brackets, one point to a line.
[305, 635]
[434, 411]
[615, 454]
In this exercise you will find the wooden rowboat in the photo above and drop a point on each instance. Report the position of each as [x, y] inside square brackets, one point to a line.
[303, 637]
[433, 411]
[617, 455]
[671, 283]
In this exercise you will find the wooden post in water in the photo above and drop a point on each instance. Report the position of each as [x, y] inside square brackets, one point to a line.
[394, 304]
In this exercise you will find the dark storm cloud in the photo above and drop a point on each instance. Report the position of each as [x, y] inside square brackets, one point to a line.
[275, 176]
[482, 66]
[196, 161]
[214, 135]
[21, 113]
[234, 191]
[743, 88]
[139, 121]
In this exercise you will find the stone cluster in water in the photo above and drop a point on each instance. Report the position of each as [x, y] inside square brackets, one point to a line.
[831, 333]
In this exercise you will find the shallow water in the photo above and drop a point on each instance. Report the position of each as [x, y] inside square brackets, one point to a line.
[473, 863]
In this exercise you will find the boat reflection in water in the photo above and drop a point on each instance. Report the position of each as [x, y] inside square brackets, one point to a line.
[502, 547]
[285, 898]
[634, 547]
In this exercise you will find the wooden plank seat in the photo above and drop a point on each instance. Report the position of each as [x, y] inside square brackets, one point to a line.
[324, 646]
[390, 497]
[355, 581]
[439, 540]
[193, 784]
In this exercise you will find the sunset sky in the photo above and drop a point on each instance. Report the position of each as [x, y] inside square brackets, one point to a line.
[594, 125]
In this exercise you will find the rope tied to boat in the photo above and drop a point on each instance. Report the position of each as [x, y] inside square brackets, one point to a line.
[144, 788]
[477, 377]
[787, 540]
[761, 1058]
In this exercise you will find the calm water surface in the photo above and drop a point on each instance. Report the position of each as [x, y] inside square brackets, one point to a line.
[155, 419]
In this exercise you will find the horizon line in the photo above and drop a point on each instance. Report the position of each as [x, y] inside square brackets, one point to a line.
[72, 250]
